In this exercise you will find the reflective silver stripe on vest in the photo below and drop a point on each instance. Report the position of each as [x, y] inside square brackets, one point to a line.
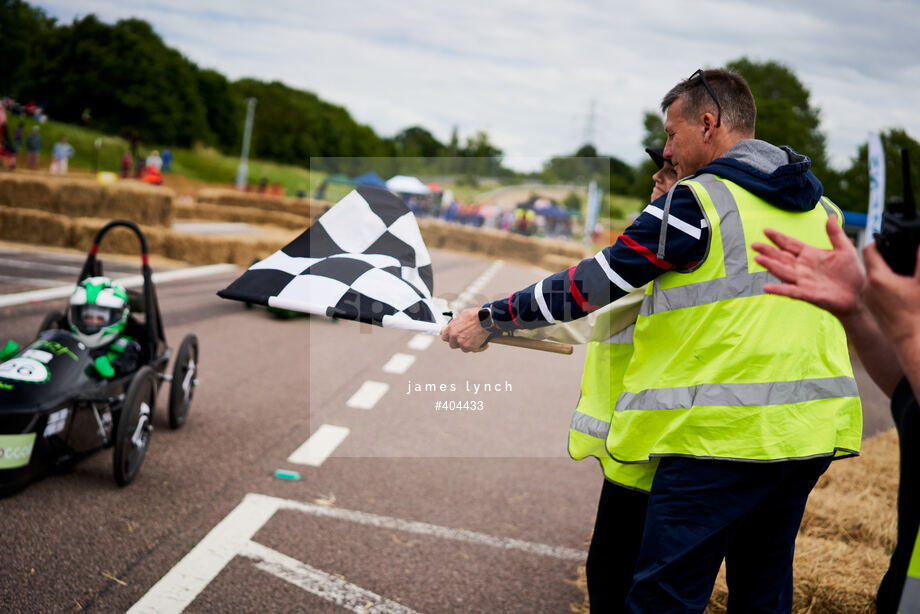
[827, 206]
[737, 282]
[733, 247]
[746, 395]
[705, 292]
[589, 425]
[910, 597]
[624, 336]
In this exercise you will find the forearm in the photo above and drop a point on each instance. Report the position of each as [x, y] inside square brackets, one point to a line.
[875, 351]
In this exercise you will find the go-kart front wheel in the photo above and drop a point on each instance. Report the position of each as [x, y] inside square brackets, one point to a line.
[134, 425]
[184, 380]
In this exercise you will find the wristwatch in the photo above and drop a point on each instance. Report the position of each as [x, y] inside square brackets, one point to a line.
[485, 319]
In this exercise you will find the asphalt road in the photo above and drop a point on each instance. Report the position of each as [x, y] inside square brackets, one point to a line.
[400, 507]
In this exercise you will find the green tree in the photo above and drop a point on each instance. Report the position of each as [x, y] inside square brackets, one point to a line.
[785, 115]
[126, 75]
[654, 130]
[225, 112]
[22, 32]
[854, 195]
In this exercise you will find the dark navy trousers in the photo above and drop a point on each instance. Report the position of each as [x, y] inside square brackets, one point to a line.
[703, 511]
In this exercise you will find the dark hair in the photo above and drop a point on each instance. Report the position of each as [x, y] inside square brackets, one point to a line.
[730, 89]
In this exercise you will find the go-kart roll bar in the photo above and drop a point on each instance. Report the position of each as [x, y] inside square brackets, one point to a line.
[154, 323]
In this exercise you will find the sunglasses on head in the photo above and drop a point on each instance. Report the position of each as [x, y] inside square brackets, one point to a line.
[702, 76]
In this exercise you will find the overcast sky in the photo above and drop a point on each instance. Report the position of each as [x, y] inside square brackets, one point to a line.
[528, 72]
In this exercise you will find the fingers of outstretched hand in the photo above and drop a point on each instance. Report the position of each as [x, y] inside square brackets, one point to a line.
[784, 241]
[835, 233]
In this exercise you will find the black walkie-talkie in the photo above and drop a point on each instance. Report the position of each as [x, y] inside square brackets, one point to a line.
[899, 235]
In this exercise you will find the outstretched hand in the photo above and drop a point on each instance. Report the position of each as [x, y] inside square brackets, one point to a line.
[831, 279]
[893, 299]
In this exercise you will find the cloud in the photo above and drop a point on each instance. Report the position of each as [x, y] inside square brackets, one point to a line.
[527, 72]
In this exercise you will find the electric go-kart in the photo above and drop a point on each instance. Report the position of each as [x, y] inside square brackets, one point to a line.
[55, 409]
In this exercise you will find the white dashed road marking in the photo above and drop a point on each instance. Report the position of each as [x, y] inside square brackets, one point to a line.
[399, 363]
[368, 395]
[467, 296]
[320, 446]
[421, 342]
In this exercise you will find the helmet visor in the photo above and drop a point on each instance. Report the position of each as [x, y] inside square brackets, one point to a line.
[90, 319]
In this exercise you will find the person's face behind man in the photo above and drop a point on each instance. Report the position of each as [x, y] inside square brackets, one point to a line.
[664, 178]
[689, 141]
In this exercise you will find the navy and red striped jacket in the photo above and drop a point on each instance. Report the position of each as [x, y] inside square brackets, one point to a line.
[779, 175]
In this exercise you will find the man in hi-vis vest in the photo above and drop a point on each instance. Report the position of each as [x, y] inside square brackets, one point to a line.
[742, 398]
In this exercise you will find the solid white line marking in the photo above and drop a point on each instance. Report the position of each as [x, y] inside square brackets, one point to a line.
[399, 363]
[29, 281]
[324, 585]
[233, 536]
[128, 282]
[423, 528]
[320, 446]
[368, 395]
[179, 587]
[421, 342]
[467, 296]
[45, 267]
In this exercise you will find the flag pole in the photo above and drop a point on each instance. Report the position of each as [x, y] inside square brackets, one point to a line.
[533, 344]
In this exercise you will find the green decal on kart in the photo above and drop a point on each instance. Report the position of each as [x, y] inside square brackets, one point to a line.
[25, 370]
[16, 450]
[56, 348]
[5, 386]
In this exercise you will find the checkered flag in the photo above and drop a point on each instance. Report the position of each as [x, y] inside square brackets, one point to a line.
[364, 260]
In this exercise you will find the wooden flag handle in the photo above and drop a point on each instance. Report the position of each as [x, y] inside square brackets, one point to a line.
[534, 344]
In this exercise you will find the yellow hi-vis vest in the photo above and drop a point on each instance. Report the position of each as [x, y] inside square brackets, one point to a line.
[910, 595]
[722, 370]
[601, 384]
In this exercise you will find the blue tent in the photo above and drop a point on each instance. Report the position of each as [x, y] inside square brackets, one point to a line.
[370, 178]
[554, 212]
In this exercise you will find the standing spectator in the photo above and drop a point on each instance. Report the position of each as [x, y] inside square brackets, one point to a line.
[60, 155]
[33, 146]
[126, 165]
[154, 160]
[17, 138]
[167, 159]
[743, 398]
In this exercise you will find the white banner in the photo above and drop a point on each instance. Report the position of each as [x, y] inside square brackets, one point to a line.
[594, 204]
[876, 185]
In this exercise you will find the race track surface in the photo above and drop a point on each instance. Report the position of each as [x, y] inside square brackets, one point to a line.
[400, 507]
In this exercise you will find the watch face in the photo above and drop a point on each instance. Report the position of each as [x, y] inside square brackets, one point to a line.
[485, 317]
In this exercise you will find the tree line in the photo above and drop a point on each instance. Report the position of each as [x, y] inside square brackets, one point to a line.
[133, 83]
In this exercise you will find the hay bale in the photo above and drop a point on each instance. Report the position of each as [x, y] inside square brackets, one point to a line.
[245, 215]
[119, 240]
[138, 202]
[234, 198]
[40, 227]
[27, 191]
[76, 197]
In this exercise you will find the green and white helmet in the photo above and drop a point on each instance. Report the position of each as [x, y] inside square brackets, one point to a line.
[98, 311]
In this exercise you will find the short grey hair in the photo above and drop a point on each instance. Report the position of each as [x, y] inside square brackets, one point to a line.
[739, 111]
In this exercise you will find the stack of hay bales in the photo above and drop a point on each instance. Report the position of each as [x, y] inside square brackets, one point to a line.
[73, 198]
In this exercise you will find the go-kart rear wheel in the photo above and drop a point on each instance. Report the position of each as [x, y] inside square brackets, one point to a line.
[184, 380]
[52, 320]
[134, 425]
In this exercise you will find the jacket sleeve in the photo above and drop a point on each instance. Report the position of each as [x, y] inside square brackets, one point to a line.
[630, 263]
